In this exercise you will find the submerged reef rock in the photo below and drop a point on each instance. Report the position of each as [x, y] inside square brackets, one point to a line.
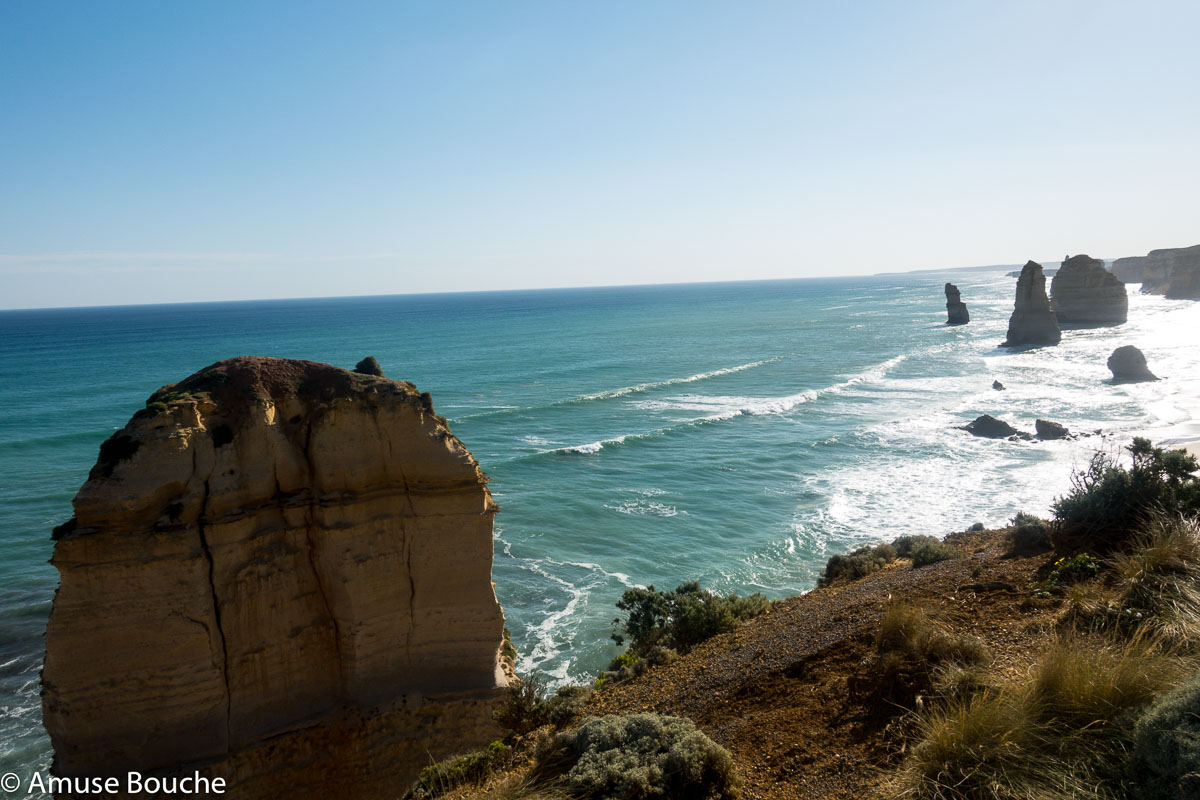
[369, 366]
[1129, 270]
[1048, 430]
[1128, 365]
[279, 574]
[1032, 321]
[956, 310]
[989, 427]
[1083, 292]
[1173, 272]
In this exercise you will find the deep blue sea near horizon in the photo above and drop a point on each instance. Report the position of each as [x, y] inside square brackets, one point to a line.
[737, 433]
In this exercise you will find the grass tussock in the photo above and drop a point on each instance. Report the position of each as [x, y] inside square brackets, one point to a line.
[1061, 732]
[1149, 587]
[916, 656]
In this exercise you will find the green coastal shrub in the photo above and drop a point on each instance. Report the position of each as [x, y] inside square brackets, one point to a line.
[682, 618]
[635, 756]
[925, 553]
[1028, 535]
[1109, 502]
[923, 550]
[1164, 762]
[439, 778]
[1072, 569]
[858, 563]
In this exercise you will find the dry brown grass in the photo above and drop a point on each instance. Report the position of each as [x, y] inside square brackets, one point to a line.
[1059, 732]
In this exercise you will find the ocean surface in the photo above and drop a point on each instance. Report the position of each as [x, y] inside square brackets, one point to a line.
[737, 434]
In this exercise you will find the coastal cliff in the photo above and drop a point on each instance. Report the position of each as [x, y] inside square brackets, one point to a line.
[1173, 272]
[1129, 269]
[1083, 292]
[278, 573]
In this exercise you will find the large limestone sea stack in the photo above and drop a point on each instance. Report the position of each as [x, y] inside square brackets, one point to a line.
[1084, 293]
[278, 573]
[1032, 321]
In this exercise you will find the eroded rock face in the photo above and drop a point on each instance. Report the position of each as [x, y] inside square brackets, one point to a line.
[1129, 270]
[1032, 321]
[1128, 365]
[989, 427]
[1083, 292]
[279, 571]
[1048, 430]
[1174, 272]
[956, 310]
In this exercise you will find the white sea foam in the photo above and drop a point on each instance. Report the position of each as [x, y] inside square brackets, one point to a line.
[646, 387]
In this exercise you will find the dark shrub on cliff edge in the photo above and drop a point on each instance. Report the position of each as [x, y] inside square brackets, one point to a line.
[635, 756]
[682, 618]
[858, 563]
[1028, 535]
[524, 707]
[1108, 502]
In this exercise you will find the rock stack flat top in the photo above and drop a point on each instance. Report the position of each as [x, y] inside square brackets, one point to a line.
[1083, 292]
[1032, 321]
[270, 548]
[956, 310]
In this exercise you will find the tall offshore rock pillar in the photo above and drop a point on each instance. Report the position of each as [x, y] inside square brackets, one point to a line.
[1032, 321]
[278, 573]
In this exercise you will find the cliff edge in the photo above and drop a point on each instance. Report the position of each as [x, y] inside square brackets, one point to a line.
[278, 573]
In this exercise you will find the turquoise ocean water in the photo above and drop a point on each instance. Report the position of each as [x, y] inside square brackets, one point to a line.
[737, 433]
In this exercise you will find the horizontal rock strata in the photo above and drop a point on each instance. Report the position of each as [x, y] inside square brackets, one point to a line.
[1173, 272]
[1129, 270]
[1083, 292]
[279, 571]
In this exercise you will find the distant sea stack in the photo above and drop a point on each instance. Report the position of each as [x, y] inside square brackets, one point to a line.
[1128, 365]
[1083, 292]
[956, 310]
[1032, 321]
[1129, 270]
[1173, 272]
[279, 574]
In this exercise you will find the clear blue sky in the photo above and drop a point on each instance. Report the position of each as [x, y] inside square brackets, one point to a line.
[169, 151]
